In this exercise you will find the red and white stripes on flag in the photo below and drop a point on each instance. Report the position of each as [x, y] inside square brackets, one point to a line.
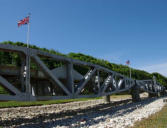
[128, 62]
[23, 21]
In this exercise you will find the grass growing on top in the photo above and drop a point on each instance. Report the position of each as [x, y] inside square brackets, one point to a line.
[158, 120]
[7, 104]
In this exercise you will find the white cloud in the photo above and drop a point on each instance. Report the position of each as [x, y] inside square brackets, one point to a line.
[160, 68]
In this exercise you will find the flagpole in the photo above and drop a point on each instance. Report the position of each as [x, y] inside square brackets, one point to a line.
[28, 85]
[28, 32]
[130, 73]
[130, 70]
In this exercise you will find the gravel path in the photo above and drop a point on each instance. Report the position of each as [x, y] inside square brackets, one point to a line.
[33, 111]
[102, 115]
[126, 117]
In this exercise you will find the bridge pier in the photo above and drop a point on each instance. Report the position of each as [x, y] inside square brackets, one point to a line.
[107, 98]
[150, 95]
[158, 94]
[135, 93]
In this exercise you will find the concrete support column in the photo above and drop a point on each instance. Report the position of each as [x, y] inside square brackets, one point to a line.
[158, 94]
[135, 95]
[135, 92]
[150, 95]
[107, 98]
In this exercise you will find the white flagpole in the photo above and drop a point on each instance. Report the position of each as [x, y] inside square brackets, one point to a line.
[28, 32]
[28, 86]
[130, 72]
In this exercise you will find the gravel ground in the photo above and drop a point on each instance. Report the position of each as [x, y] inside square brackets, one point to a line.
[81, 114]
[126, 117]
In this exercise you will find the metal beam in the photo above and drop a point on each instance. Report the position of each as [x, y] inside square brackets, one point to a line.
[9, 86]
[10, 97]
[107, 82]
[85, 81]
[127, 83]
[50, 74]
[8, 47]
[70, 80]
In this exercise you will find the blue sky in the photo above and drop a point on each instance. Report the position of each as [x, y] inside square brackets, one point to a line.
[115, 30]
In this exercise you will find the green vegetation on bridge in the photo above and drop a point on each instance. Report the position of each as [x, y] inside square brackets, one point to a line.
[5, 59]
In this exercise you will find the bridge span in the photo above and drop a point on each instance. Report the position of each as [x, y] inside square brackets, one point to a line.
[32, 79]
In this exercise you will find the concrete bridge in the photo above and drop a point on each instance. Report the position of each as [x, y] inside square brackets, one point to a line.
[66, 79]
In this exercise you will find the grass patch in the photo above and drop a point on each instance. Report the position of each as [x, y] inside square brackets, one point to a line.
[124, 96]
[158, 120]
[2, 91]
[8, 104]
